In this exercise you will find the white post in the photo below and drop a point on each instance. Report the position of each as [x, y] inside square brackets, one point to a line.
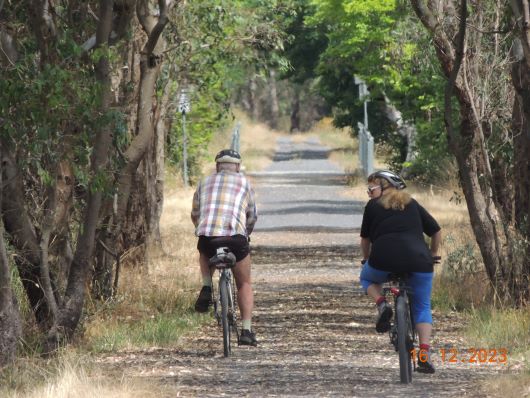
[184, 107]
[366, 141]
[236, 137]
[184, 151]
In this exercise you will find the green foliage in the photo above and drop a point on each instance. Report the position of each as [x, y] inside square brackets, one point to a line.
[51, 111]
[385, 45]
[216, 42]
[160, 331]
[489, 328]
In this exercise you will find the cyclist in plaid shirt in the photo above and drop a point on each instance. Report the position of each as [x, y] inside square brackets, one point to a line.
[224, 214]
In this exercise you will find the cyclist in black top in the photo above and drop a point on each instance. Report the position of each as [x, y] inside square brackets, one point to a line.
[392, 241]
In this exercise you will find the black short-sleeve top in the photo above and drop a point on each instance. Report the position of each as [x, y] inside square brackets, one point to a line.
[398, 244]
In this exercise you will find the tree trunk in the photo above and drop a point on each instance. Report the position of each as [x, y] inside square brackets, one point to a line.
[156, 174]
[139, 202]
[253, 98]
[521, 125]
[24, 239]
[10, 326]
[295, 110]
[70, 312]
[273, 100]
[468, 146]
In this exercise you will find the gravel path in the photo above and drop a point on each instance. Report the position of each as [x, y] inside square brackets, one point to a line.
[315, 328]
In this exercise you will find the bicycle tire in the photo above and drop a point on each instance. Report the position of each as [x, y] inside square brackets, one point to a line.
[232, 304]
[403, 335]
[223, 294]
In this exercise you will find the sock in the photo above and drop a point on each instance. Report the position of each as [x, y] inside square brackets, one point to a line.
[246, 324]
[380, 300]
[424, 348]
[207, 280]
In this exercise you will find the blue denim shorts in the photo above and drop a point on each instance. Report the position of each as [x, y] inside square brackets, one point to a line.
[419, 282]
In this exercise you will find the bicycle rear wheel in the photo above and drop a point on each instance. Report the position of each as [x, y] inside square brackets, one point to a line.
[404, 329]
[223, 294]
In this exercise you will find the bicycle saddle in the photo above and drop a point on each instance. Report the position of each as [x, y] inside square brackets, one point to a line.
[223, 259]
[397, 276]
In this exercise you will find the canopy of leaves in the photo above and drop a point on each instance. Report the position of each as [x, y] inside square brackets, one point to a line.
[382, 43]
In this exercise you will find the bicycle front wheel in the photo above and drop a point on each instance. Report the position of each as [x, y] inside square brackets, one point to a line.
[404, 327]
[223, 294]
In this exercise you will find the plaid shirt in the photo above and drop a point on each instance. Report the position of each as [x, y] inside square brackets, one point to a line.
[224, 205]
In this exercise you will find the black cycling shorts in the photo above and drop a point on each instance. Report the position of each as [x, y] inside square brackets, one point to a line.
[238, 244]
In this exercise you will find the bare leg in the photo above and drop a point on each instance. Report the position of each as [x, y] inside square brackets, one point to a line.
[424, 330]
[206, 270]
[374, 291]
[245, 295]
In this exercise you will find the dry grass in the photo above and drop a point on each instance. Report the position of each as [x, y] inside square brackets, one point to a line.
[153, 306]
[517, 386]
[70, 375]
[151, 299]
[257, 142]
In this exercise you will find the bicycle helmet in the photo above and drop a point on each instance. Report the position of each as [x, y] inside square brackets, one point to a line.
[228, 156]
[394, 179]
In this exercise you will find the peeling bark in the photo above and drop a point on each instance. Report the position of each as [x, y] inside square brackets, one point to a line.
[139, 192]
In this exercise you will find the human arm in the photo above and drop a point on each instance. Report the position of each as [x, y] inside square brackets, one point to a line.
[251, 212]
[436, 241]
[365, 248]
[195, 208]
[432, 229]
[366, 243]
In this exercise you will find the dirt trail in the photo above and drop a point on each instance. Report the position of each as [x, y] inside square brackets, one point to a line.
[314, 326]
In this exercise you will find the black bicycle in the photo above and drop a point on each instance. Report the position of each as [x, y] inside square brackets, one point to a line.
[402, 331]
[225, 305]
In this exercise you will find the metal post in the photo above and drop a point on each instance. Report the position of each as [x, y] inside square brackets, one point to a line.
[366, 140]
[366, 115]
[236, 137]
[184, 107]
[184, 151]
[369, 154]
[362, 150]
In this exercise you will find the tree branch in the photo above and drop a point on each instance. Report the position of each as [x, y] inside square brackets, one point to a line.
[457, 62]
[46, 230]
[443, 44]
[157, 30]
[522, 15]
[43, 28]
[142, 12]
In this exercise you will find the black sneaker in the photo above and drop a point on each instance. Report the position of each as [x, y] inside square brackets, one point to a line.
[247, 338]
[382, 324]
[425, 367]
[204, 300]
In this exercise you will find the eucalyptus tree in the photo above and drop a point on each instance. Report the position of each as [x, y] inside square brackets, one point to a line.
[10, 326]
[63, 140]
[472, 43]
[304, 45]
[204, 48]
[520, 73]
